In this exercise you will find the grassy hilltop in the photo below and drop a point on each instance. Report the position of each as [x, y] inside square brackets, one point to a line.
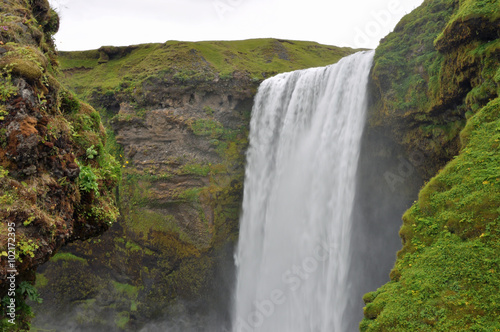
[120, 68]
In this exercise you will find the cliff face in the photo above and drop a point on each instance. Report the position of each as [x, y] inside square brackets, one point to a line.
[179, 114]
[179, 200]
[436, 84]
[423, 73]
[55, 175]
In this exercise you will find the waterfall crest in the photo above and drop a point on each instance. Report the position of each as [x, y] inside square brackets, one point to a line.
[293, 252]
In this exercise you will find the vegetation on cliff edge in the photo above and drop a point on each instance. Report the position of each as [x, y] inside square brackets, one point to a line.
[56, 178]
[128, 70]
[446, 274]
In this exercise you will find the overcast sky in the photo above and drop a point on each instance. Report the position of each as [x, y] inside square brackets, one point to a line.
[89, 24]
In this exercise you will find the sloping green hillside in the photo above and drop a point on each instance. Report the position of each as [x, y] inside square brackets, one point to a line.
[446, 277]
[125, 68]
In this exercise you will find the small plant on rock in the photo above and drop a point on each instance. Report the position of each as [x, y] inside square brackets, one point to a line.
[91, 152]
[88, 180]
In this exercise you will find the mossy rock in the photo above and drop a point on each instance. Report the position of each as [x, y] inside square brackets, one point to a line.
[369, 297]
[372, 310]
[26, 69]
[40, 150]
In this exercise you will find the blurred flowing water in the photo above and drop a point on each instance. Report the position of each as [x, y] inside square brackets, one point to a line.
[294, 252]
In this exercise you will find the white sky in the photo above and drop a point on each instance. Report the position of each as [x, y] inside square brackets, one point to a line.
[89, 24]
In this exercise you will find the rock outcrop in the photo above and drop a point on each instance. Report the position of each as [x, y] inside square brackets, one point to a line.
[56, 177]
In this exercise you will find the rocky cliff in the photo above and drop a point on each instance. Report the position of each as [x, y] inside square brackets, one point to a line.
[179, 115]
[56, 177]
[436, 82]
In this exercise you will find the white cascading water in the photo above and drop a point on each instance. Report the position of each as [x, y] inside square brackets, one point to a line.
[293, 252]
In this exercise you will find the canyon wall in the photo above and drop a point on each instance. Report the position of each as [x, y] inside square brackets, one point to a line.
[178, 116]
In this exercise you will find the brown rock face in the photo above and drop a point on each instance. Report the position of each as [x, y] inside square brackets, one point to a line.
[174, 141]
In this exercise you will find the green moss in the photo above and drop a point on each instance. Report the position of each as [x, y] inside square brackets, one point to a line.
[66, 256]
[7, 89]
[190, 279]
[69, 103]
[133, 247]
[41, 281]
[26, 69]
[207, 127]
[474, 9]
[441, 291]
[369, 297]
[372, 310]
[141, 221]
[129, 290]
[195, 169]
[133, 306]
[410, 47]
[188, 195]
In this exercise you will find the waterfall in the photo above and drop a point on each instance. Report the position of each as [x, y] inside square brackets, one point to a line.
[293, 254]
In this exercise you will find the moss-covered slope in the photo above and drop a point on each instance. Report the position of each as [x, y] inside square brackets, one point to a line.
[446, 93]
[140, 74]
[55, 175]
[120, 67]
